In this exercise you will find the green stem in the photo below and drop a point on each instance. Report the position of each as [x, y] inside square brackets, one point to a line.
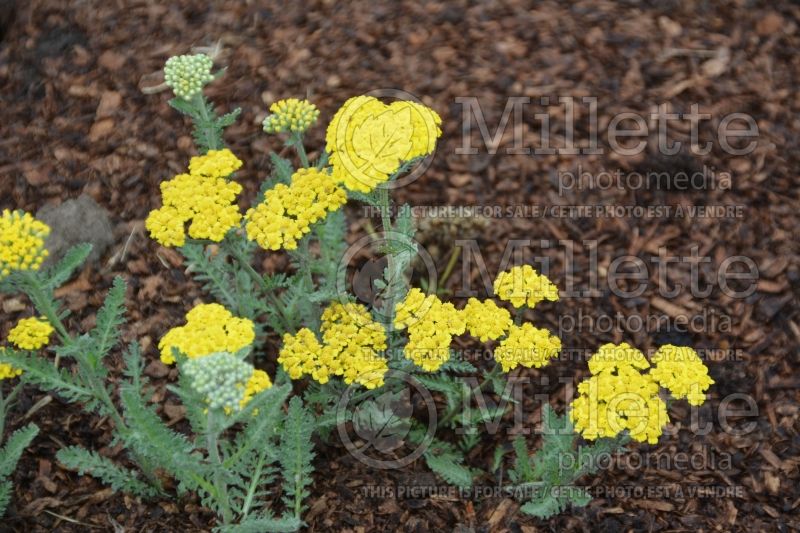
[451, 263]
[297, 142]
[493, 373]
[386, 220]
[266, 290]
[219, 483]
[205, 122]
[45, 304]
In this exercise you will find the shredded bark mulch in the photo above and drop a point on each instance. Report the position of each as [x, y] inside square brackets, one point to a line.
[83, 112]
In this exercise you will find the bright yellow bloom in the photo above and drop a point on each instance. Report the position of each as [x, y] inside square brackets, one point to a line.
[287, 212]
[209, 328]
[292, 115]
[203, 197]
[21, 242]
[8, 372]
[31, 333]
[351, 346]
[353, 342]
[522, 285]
[682, 372]
[431, 326]
[258, 382]
[486, 320]
[368, 140]
[623, 392]
[621, 400]
[528, 346]
[214, 164]
[611, 357]
[300, 354]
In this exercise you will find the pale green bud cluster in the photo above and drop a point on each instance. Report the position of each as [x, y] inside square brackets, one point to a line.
[221, 378]
[187, 75]
[291, 115]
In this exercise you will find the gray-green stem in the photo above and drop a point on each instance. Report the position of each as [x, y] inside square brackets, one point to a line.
[213, 452]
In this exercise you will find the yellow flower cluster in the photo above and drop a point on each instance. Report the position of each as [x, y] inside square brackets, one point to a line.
[368, 140]
[292, 115]
[522, 285]
[203, 197]
[258, 382]
[528, 346]
[21, 242]
[623, 392]
[431, 326]
[31, 333]
[287, 212]
[209, 328]
[215, 164]
[679, 370]
[486, 320]
[351, 346]
[7, 371]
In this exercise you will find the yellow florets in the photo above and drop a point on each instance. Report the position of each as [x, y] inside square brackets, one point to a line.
[203, 197]
[8, 372]
[522, 285]
[292, 115]
[528, 346]
[621, 400]
[21, 242]
[31, 333]
[486, 320]
[431, 326]
[209, 328]
[351, 346]
[623, 392]
[214, 164]
[186, 75]
[287, 212]
[682, 372]
[368, 140]
[258, 382]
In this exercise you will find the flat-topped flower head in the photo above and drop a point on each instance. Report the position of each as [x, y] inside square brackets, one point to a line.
[611, 357]
[610, 403]
[209, 328]
[368, 140]
[351, 347]
[486, 320]
[431, 326]
[7, 371]
[22, 240]
[682, 372]
[186, 75]
[527, 346]
[203, 198]
[221, 378]
[290, 115]
[522, 285]
[214, 164]
[31, 333]
[288, 211]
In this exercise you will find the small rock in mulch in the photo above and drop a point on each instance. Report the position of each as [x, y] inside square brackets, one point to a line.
[77, 221]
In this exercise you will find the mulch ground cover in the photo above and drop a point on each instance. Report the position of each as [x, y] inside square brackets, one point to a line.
[82, 113]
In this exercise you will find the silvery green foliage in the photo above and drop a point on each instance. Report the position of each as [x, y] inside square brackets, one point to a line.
[9, 456]
[547, 480]
[220, 378]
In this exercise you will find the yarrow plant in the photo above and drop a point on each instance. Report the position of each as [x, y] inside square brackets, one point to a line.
[248, 449]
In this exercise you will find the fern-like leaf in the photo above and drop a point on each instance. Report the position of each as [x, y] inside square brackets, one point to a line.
[12, 451]
[64, 269]
[109, 319]
[118, 478]
[296, 453]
